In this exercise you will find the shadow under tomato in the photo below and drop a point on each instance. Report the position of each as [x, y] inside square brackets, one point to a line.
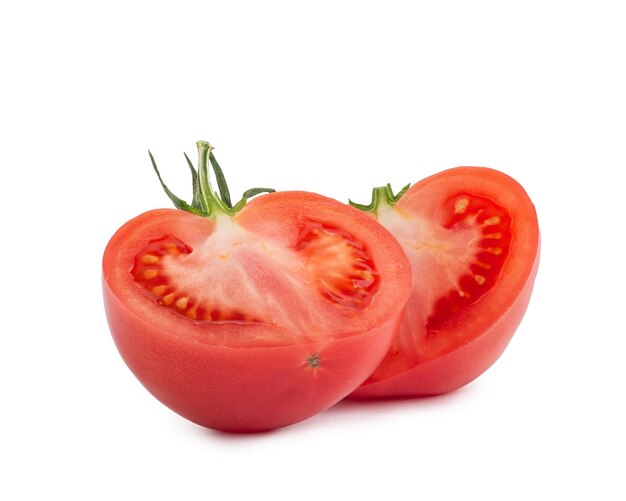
[234, 436]
[349, 406]
[345, 409]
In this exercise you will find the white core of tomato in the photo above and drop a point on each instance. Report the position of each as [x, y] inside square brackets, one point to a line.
[434, 252]
[235, 269]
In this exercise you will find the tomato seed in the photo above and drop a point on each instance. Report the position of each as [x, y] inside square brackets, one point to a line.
[169, 299]
[352, 281]
[150, 274]
[461, 205]
[492, 221]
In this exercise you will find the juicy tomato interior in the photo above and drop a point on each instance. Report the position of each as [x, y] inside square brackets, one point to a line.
[338, 266]
[487, 229]
[152, 271]
[458, 243]
[304, 282]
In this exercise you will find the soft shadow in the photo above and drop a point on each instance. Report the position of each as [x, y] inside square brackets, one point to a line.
[344, 408]
[391, 404]
[236, 436]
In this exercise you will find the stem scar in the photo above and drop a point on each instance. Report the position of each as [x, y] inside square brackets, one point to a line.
[313, 361]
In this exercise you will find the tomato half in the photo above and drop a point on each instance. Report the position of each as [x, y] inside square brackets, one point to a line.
[472, 238]
[255, 316]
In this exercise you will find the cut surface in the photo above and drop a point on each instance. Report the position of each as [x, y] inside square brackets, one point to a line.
[153, 270]
[456, 260]
[236, 276]
[340, 265]
[485, 230]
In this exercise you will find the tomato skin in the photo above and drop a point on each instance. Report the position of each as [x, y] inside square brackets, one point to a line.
[496, 316]
[458, 367]
[242, 389]
[263, 379]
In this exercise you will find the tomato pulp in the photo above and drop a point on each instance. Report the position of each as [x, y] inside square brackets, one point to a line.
[472, 238]
[256, 316]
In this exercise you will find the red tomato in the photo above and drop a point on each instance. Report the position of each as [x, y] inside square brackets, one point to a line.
[255, 316]
[472, 238]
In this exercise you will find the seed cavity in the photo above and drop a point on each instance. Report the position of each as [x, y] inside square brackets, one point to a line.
[150, 272]
[488, 227]
[340, 265]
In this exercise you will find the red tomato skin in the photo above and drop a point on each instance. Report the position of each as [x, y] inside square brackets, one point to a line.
[243, 389]
[460, 366]
[247, 388]
[466, 361]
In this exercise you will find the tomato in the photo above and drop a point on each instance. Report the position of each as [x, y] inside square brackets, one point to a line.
[472, 238]
[254, 316]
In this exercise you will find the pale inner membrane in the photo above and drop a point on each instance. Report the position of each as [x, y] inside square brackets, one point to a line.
[438, 257]
[238, 270]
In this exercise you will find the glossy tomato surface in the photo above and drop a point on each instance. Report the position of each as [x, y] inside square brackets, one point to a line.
[256, 320]
[472, 238]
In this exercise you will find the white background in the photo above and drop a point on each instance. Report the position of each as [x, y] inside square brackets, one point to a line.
[334, 97]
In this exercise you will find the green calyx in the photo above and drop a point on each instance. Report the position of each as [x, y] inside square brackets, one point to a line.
[207, 202]
[382, 194]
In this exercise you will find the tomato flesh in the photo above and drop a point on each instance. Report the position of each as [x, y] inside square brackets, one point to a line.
[338, 265]
[472, 239]
[150, 272]
[490, 227]
[259, 320]
[343, 268]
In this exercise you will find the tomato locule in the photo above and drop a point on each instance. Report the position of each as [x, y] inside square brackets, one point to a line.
[472, 238]
[256, 315]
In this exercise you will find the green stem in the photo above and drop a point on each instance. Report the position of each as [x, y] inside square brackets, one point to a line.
[380, 195]
[211, 203]
[207, 202]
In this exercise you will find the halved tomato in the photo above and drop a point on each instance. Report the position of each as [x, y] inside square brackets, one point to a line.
[253, 316]
[472, 238]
